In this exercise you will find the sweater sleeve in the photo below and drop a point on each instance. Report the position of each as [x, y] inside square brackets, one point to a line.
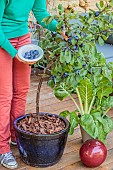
[4, 42]
[40, 12]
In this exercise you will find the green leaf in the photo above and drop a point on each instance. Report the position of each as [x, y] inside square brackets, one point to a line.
[89, 125]
[107, 124]
[71, 130]
[59, 25]
[74, 119]
[110, 64]
[85, 89]
[60, 8]
[73, 122]
[108, 73]
[60, 92]
[73, 81]
[101, 4]
[51, 83]
[62, 57]
[104, 91]
[68, 56]
[72, 60]
[111, 2]
[81, 53]
[101, 41]
[97, 116]
[48, 20]
[97, 5]
[107, 102]
[100, 22]
[102, 135]
[93, 50]
[45, 19]
[104, 88]
[73, 41]
[90, 20]
[104, 37]
[64, 113]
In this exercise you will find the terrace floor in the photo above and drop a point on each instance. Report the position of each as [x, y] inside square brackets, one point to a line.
[70, 159]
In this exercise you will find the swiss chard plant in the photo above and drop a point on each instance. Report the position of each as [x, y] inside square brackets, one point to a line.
[78, 70]
[92, 102]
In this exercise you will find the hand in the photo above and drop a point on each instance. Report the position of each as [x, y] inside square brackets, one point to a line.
[18, 58]
[65, 37]
[25, 62]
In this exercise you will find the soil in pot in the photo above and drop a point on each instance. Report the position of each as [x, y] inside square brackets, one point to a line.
[41, 145]
[41, 124]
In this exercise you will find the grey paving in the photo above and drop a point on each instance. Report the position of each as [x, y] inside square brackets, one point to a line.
[107, 50]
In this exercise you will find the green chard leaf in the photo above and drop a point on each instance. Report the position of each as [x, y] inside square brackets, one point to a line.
[85, 89]
[104, 88]
[64, 113]
[60, 92]
[89, 125]
[73, 122]
[107, 124]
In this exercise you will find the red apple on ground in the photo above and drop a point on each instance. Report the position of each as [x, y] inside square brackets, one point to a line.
[93, 153]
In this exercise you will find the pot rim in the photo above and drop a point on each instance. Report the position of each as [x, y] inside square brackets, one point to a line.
[42, 135]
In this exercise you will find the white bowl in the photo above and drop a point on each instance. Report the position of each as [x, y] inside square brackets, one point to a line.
[26, 48]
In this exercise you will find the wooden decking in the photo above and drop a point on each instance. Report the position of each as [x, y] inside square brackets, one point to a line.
[70, 159]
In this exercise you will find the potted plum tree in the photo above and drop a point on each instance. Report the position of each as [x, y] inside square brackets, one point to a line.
[78, 69]
[41, 137]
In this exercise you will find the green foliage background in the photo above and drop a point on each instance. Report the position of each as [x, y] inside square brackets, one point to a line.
[78, 68]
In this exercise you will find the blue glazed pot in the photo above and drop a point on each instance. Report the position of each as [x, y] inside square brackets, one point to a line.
[41, 150]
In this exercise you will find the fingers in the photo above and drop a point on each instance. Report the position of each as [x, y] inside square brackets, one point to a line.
[25, 62]
[18, 58]
[31, 63]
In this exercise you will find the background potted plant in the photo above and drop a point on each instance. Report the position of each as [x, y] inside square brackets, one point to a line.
[78, 69]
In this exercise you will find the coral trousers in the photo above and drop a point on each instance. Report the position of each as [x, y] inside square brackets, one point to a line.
[14, 86]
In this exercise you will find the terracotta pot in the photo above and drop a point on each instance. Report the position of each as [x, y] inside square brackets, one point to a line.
[44, 149]
[85, 135]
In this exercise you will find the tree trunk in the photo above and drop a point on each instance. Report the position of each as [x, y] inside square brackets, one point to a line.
[38, 93]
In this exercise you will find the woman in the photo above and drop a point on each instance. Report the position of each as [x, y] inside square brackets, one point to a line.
[14, 73]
